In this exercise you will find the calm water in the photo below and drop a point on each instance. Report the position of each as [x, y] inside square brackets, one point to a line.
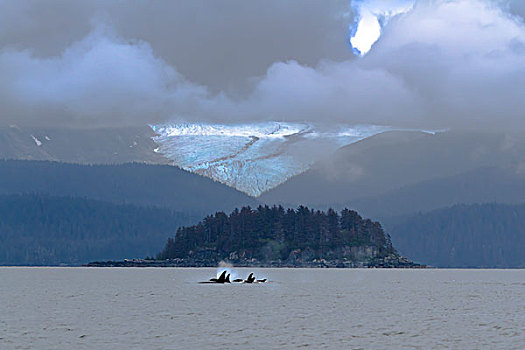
[112, 308]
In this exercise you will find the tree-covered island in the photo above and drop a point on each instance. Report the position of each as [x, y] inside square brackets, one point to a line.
[278, 237]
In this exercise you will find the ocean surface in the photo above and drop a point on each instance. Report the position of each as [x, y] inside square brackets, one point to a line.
[166, 308]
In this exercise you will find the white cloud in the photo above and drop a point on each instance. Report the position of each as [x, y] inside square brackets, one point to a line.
[371, 16]
[464, 59]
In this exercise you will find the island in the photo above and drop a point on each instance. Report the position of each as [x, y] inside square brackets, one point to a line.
[277, 237]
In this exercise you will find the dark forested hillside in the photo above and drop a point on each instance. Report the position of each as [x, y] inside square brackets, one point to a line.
[44, 230]
[275, 234]
[488, 235]
[140, 184]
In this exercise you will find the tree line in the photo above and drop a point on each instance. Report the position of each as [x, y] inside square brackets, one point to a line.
[476, 235]
[270, 233]
[47, 230]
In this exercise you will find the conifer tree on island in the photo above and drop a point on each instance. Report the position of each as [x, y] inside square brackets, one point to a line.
[273, 235]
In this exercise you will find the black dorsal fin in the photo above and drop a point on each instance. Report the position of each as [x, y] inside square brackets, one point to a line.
[222, 277]
[251, 278]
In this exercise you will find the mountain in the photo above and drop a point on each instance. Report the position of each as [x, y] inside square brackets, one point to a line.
[252, 158]
[47, 230]
[83, 146]
[361, 175]
[487, 235]
[133, 183]
[483, 185]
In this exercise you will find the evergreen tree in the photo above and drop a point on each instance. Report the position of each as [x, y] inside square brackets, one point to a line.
[269, 232]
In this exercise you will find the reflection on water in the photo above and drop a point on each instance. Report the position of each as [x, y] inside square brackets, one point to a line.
[112, 308]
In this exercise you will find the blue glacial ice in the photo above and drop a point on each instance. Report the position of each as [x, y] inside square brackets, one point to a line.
[253, 158]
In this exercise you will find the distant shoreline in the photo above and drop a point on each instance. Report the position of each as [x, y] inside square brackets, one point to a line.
[274, 264]
[105, 265]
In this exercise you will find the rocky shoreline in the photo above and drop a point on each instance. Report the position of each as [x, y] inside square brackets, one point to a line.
[391, 261]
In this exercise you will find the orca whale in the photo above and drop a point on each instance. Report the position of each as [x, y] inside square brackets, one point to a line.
[223, 278]
[249, 279]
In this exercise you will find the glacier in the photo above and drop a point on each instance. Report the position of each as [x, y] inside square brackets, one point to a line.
[253, 158]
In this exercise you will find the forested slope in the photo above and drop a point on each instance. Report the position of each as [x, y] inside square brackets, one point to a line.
[488, 235]
[45, 230]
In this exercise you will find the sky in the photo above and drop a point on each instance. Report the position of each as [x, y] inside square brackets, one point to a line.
[419, 64]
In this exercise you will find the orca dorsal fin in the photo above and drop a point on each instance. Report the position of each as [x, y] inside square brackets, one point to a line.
[250, 278]
[222, 277]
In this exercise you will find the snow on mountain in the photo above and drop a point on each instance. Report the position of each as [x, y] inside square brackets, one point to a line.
[253, 158]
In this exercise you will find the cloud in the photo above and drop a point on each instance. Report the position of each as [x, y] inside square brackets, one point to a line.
[371, 17]
[443, 64]
[453, 64]
[464, 60]
[100, 78]
[330, 92]
[216, 44]
[516, 7]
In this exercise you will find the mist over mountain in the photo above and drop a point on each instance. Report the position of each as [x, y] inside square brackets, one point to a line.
[482, 185]
[82, 146]
[398, 171]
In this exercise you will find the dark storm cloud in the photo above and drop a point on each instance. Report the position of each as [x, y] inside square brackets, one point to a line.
[517, 7]
[187, 54]
[214, 43]
[444, 64]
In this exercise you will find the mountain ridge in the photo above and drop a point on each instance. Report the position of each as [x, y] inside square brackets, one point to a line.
[391, 161]
[132, 183]
[82, 146]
